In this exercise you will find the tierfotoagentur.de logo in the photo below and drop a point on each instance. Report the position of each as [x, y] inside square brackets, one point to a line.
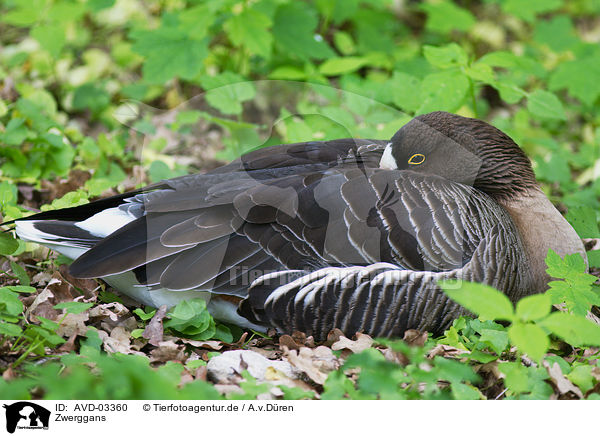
[24, 415]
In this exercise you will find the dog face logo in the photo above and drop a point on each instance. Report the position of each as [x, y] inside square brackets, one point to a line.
[26, 415]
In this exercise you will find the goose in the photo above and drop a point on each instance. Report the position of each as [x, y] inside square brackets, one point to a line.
[351, 233]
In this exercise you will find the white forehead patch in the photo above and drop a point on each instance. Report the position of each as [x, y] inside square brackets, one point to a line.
[387, 160]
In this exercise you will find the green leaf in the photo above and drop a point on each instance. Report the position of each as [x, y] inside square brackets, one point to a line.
[444, 91]
[445, 17]
[8, 194]
[337, 66]
[169, 52]
[576, 291]
[573, 329]
[406, 91]
[533, 307]
[583, 219]
[8, 329]
[578, 77]
[90, 96]
[227, 91]
[529, 9]
[10, 303]
[16, 132]
[8, 244]
[73, 307]
[250, 28]
[582, 376]
[344, 43]
[143, 315]
[520, 379]
[461, 391]
[20, 289]
[51, 37]
[564, 268]
[497, 340]
[529, 339]
[294, 29]
[453, 371]
[516, 377]
[25, 13]
[20, 272]
[449, 56]
[480, 299]
[558, 33]
[481, 72]
[545, 105]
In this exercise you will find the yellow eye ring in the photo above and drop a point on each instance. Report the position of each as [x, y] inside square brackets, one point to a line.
[416, 159]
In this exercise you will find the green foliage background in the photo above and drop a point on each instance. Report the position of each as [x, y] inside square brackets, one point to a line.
[68, 68]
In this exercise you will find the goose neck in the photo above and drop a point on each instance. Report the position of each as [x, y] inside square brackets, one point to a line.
[541, 227]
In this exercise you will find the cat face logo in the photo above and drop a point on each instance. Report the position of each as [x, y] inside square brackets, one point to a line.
[26, 415]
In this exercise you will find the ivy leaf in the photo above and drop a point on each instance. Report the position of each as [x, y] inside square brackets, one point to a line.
[573, 329]
[169, 52]
[250, 29]
[449, 56]
[480, 299]
[445, 17]
[294, 29]
[545, 105]
[443, 91]
[530, 339]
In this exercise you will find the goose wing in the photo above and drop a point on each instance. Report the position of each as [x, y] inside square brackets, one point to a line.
[458, 232]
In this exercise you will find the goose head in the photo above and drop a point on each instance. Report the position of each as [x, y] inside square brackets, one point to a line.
[472, 152]
[464, 150]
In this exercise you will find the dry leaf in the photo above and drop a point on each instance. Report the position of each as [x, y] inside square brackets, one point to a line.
[361, 343]
[333, 336]
[88, 286]
[415, 337]
[316, 363]
[562, 383]
[114, 311]
[226, 367]
[117, 342]
[73, 324]
[154, 330]
[288, 341]
[445, 351]
[46, 310]
[167, 351]
[210, 345]
[68, 346]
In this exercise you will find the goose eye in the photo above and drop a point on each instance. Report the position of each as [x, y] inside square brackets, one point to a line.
[416, 159]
